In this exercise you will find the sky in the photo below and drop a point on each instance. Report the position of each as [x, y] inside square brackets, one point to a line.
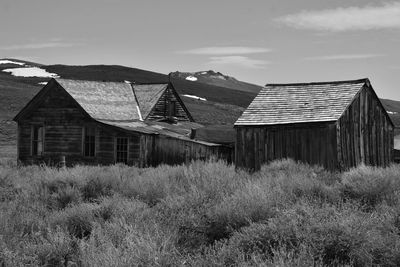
[257, 41]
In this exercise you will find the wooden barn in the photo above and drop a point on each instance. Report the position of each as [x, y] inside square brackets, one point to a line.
[337, 125]
[88, 122]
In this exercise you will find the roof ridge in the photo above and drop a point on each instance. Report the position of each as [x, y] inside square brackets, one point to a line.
[93, 81]
[313, 83]
[150, 83]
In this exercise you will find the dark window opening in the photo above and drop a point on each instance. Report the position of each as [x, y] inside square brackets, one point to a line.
[37, 140]
[172, 109]
[122, 150]
[90, 141]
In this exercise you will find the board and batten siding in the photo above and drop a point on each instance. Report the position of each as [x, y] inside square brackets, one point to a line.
[362, 134]
[313, 143]
[365, 133]
[169, 150]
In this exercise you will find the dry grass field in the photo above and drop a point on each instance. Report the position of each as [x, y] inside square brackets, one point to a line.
[203, 214]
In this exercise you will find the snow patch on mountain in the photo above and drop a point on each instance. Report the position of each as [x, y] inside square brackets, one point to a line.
[222, 77]
[191, 78]
[392, 112]
[5, 61]
[31, 72]
[196, 97]
[42, 83]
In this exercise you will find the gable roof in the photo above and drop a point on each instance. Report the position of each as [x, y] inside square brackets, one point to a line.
[103, 100]
[147, 96]
[301, 102]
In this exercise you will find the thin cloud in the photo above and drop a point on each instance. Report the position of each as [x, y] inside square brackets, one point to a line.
[225, 50]
[386, 16]
[239, 61]
[39, 46]
[345, 57]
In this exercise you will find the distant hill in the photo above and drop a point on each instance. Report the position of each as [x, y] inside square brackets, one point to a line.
[393, 108]
[211, 77]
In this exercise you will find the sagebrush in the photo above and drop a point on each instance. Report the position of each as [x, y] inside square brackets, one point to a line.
[202, 214]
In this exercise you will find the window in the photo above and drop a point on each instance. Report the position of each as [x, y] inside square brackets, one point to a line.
[37, 140]
[122, 150]
[89, 141]
[172, 108]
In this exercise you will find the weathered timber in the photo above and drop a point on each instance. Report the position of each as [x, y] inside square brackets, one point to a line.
[338, 125]
[64, 123]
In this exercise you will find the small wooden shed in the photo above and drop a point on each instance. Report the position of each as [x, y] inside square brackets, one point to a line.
[337, 125]
[90, 122]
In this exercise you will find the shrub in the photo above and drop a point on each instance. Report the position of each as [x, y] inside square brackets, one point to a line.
[77, 220]
[122, 244]
[64, 197]
[253, 203]
[370, 185]
[8, 191]
[266, 238]
[57, 248]
[299, 180]
[97, 187]
[118, 207]
[21, 219]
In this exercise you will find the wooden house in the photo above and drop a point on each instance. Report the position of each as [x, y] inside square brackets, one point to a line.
[90, 122]
[337, 125]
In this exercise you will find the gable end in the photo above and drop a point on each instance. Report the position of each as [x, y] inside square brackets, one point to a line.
[40, 97]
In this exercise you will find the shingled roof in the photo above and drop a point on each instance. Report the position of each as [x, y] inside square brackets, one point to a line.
[104, 100]
[147, 96]
[301, 102]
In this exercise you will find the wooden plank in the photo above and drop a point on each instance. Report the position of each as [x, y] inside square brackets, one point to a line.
[361, 126]
[261, 145]
[256, 149]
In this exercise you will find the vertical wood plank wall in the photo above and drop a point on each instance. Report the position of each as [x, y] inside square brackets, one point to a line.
[63, 122]
[313, 143]
[106, 154]
[365, 133]
[168, 150]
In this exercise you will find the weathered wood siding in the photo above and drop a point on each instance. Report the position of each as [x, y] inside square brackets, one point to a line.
[313, 143]
[161, 109]
[63, 123]
[168, 150]
[365, 134]
[106, 145]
